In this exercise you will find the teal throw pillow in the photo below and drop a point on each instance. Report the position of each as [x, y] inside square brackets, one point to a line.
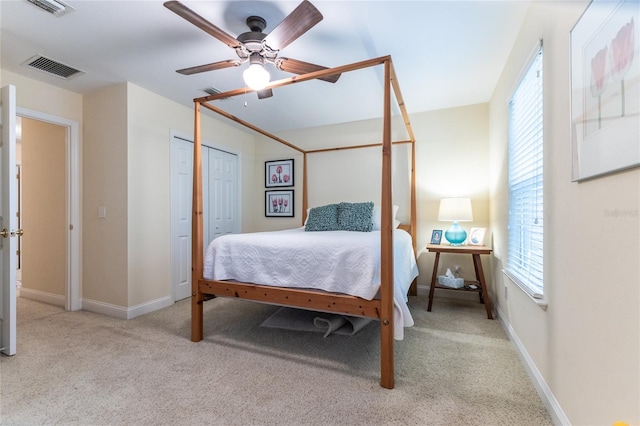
[324, 218]
[355, 216]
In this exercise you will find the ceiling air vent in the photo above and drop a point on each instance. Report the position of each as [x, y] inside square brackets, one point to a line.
[50, 66]
[55, 7]
[213, 91]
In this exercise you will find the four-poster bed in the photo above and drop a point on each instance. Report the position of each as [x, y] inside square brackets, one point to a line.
[380, 308]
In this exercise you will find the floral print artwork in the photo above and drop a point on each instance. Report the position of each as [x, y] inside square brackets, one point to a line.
[279, 203]
[605, 89]
[613, 71]
[279, 173]
[622, 52]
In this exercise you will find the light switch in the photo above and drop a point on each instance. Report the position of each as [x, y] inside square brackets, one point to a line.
[102, 212]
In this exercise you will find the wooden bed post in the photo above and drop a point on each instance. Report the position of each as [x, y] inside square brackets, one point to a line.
[197, 233]
[386, 244]
[305, 197]
[413, 290]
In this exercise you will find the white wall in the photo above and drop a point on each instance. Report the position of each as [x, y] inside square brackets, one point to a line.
[150, 120]
[451, 161]
[127, 170]
[352, 175]
[586, 346]
[104, 170]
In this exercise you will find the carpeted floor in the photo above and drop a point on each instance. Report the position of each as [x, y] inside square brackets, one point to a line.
[78, 368]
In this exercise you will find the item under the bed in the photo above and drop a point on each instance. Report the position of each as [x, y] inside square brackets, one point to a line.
[333, 261]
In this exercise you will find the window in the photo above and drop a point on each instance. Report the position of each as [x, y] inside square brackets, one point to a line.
[525, 232]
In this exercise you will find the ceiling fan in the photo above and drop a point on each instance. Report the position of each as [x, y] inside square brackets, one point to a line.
[256, 47]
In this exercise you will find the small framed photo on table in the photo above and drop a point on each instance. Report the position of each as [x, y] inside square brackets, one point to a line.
[278, 203]
[476, 236]
[436, 236]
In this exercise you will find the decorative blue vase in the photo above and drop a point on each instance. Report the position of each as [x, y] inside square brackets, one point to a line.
[456, 235]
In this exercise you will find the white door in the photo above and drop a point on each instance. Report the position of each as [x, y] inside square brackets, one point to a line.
[8, 222]
[219, 194]
[220, 210]
[181, 196]
[225, 176]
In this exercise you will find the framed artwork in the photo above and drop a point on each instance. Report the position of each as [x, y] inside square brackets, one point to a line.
[605, 89]
[476, 236]
[278, 173]
[436, 236]
[278, 203]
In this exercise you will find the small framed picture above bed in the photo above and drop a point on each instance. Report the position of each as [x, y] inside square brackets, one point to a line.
[278, 203]
[278, 173]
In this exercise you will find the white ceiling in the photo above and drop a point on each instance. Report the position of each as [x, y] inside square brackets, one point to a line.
[445, 53]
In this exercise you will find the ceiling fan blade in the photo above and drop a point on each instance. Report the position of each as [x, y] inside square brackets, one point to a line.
[299, 67]
[264, 93]
[293, 26]
[209, 67]
[197, 20]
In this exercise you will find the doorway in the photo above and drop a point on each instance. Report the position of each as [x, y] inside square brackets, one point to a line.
[48, 161]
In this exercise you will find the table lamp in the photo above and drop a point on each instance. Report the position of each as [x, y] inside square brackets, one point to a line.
[455, 210]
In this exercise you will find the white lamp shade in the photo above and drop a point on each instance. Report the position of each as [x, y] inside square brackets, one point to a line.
[256, 77]
[455, 209]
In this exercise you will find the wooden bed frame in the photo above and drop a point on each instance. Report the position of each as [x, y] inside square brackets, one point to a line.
[381, 309]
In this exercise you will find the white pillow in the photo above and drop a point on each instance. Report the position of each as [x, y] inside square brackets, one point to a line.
[306, 218]
[377, 217]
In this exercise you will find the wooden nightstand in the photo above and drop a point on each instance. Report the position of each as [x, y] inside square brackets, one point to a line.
[475, 252]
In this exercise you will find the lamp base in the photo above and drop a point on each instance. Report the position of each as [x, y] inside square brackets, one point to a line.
[456, 235]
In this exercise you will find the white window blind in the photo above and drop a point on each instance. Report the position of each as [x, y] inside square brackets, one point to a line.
[525, 255]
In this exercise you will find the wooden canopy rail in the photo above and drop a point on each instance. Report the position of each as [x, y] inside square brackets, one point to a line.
[382, 308]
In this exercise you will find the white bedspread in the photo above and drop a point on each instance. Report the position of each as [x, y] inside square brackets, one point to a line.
[334, 261]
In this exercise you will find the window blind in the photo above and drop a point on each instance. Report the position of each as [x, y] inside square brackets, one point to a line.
[526, 198]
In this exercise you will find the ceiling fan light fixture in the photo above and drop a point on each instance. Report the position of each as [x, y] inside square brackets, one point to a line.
[256, 77]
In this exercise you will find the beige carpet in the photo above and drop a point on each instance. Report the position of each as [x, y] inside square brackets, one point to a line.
[454, 367]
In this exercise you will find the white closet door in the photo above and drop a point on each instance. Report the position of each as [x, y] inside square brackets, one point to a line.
[220, 199]
[222, 193]
[206, 198]
[181, 200]
[230, 194]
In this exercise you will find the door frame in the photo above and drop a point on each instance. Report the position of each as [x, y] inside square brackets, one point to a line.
[73, 296]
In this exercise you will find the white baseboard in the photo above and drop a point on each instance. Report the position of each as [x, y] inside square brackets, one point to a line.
[145, 308]
[121, 312]
[41, 296]
[103, 308]
[548, 399]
